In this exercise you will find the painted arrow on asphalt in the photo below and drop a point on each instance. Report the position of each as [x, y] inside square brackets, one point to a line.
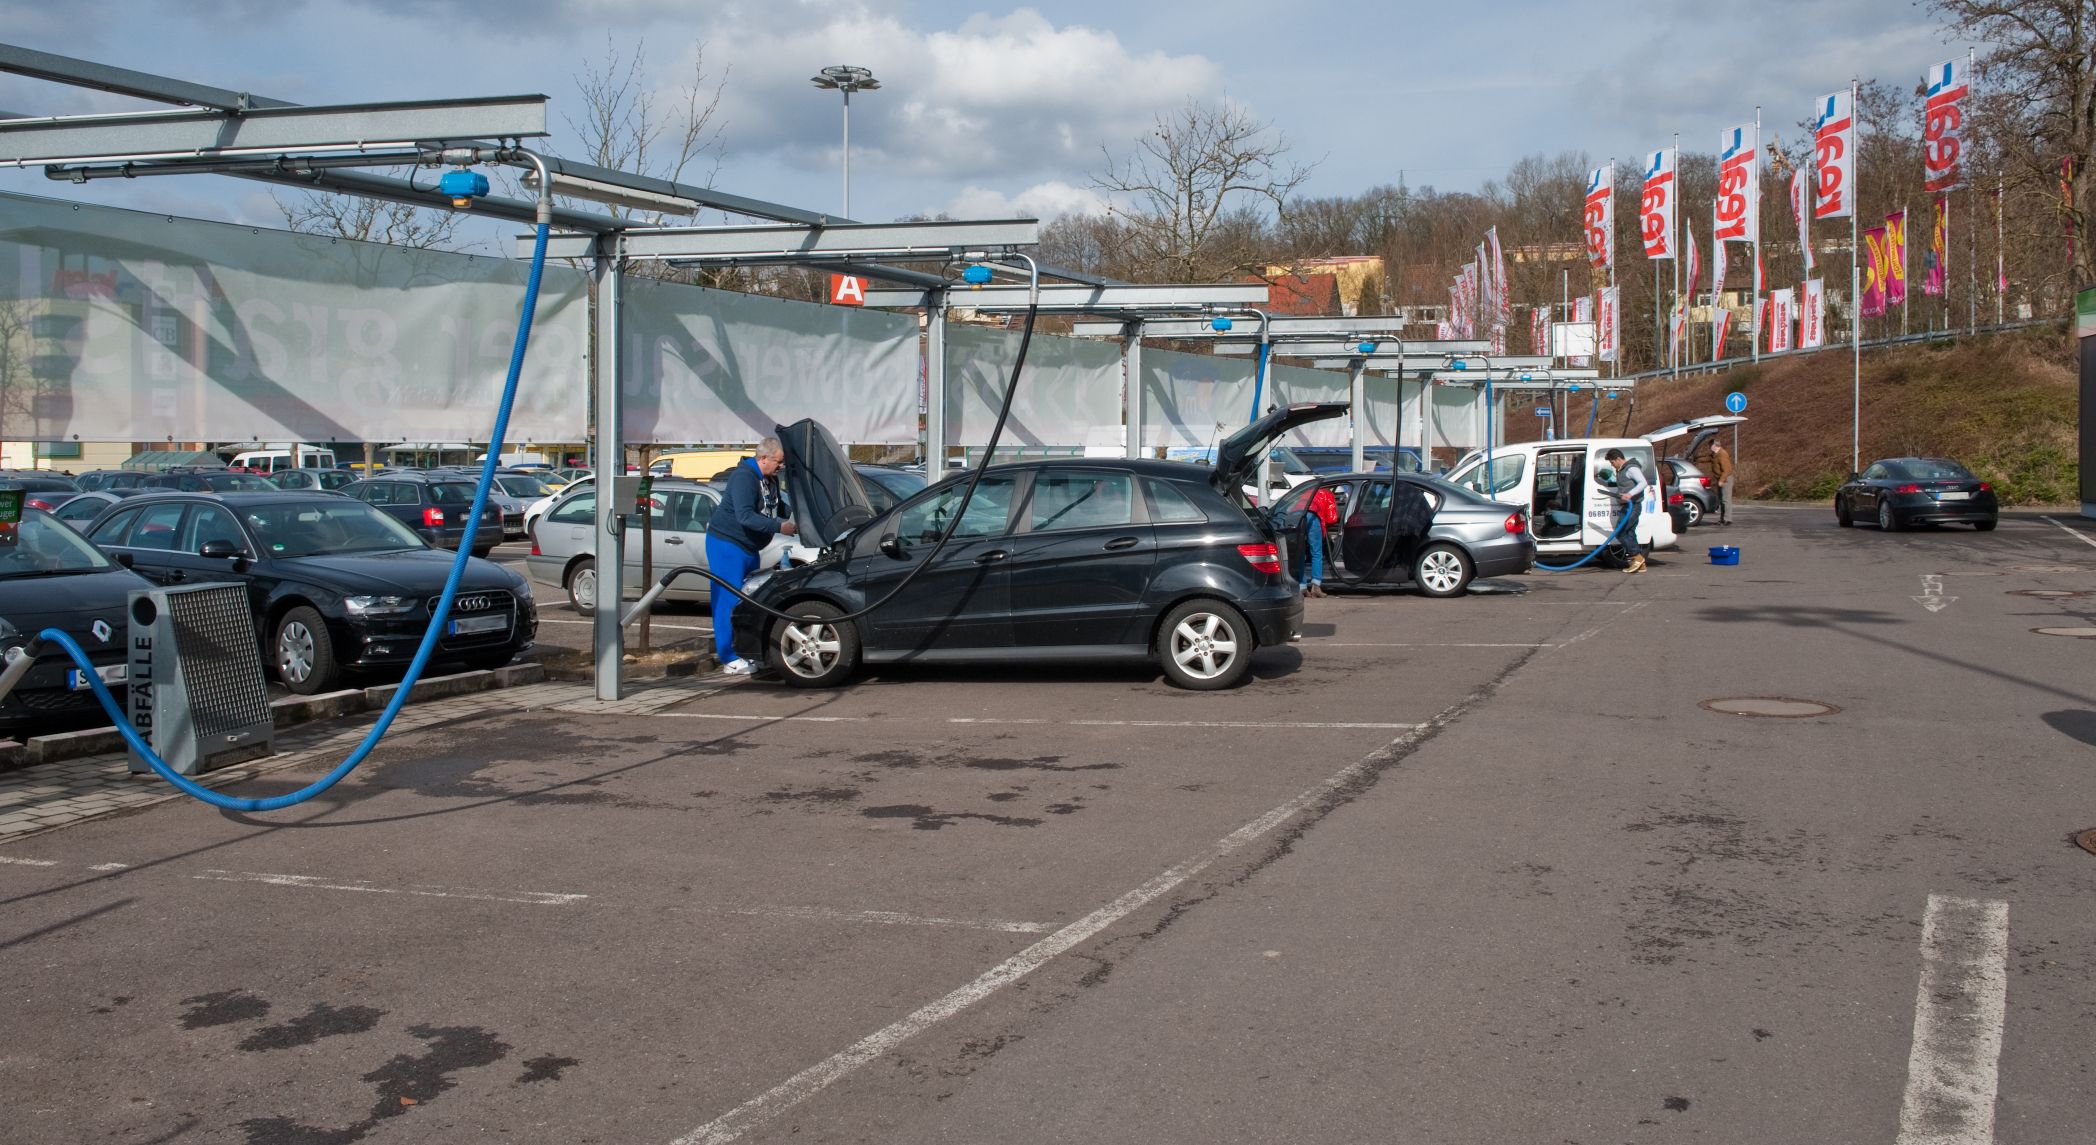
[1932, 597]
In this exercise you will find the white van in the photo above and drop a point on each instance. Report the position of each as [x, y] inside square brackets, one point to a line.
[1566, 486]
[279, 460]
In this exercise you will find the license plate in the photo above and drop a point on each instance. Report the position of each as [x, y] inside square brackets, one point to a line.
[468, 626]
[1954, 496]
[110, 674]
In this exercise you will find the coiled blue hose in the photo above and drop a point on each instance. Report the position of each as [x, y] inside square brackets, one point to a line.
[1591, 554]
[429, 638]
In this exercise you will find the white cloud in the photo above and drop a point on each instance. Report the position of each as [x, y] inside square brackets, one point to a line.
[1043, 201]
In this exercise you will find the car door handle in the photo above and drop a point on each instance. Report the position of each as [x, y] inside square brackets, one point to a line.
[992, 557]
[673, 540]
[1122, 543]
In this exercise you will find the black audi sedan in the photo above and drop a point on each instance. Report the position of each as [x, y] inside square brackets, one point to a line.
[1902, 491]
[1064, 559]
[434, 505]
[336, 586]
[51, 578]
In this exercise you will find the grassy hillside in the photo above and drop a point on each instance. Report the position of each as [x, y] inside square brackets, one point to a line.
[2004, 404]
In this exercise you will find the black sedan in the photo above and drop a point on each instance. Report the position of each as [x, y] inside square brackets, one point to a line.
[1068, 559]
[50, 578]
[336, 586]
[1902, 491]
[1433, 535]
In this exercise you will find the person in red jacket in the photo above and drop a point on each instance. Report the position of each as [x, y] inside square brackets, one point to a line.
[1318, 518]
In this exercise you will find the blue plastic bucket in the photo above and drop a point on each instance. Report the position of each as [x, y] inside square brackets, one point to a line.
[1724, 554]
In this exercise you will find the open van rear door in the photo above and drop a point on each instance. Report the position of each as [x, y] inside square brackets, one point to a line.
[1696, 431]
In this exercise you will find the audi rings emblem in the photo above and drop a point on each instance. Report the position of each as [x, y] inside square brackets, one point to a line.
[475, 603]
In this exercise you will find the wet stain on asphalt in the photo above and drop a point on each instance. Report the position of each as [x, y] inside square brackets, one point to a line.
[812, 795]
[321, 1021]
[1064, 808]
[1003, 796]
[1762, 1035]
[402, 1084]
[546, 1068]
[1038, 763]
[924, 818]
[114, 1002]
[1675, 1104]
[222, 1009]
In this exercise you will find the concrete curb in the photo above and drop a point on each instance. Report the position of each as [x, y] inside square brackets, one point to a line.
[289, 711]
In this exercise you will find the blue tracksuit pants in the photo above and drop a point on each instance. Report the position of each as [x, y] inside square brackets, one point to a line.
[732, 563]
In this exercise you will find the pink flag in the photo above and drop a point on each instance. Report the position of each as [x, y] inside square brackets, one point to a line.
[1873, 273]
[1896, 258]
[1935, 280]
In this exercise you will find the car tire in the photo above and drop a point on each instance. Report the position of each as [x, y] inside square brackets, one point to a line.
[1695, 511]
[1887, 519]
[1441, 570]
[1205, 646]
[582, 587]
[817, 651]
[1985, 526]
[304, 654]
[1841, 514]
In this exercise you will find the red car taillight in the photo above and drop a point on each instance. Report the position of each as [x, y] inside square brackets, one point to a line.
[33, 503]
[535, 544]
[1265, 558]
[432, 516]
[1908, 489]
[1516, 523]
[1986, 488]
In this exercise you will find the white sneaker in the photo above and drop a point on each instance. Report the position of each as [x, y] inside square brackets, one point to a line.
[736, 668]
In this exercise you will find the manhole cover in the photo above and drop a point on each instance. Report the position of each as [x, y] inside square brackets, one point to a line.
[2086, 840]
[2045, 593]
[2080, 633]
[1775, 707]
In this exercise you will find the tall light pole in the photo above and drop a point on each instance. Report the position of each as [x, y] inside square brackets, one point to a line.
[847, 79]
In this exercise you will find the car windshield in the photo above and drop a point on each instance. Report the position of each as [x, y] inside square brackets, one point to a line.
[451, 493]
[1931, 469]
[43, 547]
[334, 526]
[239, 483]
[521, 486]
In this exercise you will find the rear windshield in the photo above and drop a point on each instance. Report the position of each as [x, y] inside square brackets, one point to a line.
[451, 493]
[523, 486]
[239, 483]
[1931, 469]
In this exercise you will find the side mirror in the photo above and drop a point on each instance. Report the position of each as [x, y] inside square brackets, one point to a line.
[219, 550]
[125, 559]
[891, 545]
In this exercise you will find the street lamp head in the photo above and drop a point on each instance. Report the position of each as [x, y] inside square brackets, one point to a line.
[846, 78]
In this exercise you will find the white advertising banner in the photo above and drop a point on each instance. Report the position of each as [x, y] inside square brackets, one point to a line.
[1609, 299]
[1782, 309]
[1070, 387]
[1739, 186]
[123, 326]
[1192, 401]
[1812, 315]
[706, 366]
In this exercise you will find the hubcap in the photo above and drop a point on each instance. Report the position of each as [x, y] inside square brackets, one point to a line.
[1884, 515]
[810, 648]
[295, 653]
[1204, 646]
[585, 589]
[1441, 571]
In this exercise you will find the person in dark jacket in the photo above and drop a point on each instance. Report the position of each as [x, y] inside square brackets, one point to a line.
[746, 521]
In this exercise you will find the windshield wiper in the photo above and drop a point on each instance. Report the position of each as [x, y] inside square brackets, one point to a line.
[49, 572]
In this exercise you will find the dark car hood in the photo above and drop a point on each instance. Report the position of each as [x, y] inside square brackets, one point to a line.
[410, 572]
[1237, 457]
[71, 602]
[820, 482]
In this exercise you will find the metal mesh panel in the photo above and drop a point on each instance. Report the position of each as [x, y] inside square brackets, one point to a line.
[221, 661]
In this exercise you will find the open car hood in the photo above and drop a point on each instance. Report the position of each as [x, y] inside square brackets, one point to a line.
[1237, 457]
[823, 488]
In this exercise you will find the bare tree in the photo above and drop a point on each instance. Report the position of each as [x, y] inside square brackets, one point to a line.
[629, 126]
[372, 220]
[1187, 187]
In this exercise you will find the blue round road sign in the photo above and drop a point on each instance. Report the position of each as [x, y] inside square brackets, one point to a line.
[1735, 402]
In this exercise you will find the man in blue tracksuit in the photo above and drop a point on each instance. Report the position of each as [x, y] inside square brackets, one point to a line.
[740, 528]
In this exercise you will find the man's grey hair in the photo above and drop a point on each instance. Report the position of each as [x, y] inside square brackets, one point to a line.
[770, 447]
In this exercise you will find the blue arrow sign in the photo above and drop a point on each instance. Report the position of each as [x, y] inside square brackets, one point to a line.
[1735, 402]
[1542, 411]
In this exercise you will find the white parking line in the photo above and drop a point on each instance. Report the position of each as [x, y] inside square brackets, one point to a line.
[2075, 533]
[13, 862]
[1952, 1071]
[315, 882]
[882, 917]
[993, 721]
[1338, 644]
[823, 1074]
[652, 624]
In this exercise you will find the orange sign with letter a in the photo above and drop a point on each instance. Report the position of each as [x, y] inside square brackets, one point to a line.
[847, 290]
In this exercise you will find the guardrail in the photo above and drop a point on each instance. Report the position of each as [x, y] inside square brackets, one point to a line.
[1688, 370]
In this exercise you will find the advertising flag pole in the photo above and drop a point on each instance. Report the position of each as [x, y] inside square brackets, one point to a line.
[1855, 312]
[1906, 265]
[1972, 215]
[1674, 200]
[1754, 315]
[2001, 278]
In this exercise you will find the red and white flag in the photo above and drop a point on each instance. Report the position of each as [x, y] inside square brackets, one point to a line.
[1717, 260]
[1539, 331]
[1943, 126]
[1600, 217]
[1656, 204]
[1583, 312]
[1688, 294]
[1800, 211]
[1717, 337]
[1812, 316]
[1609, 331]
[1739, 185]
[1504, 316]
[1834, 156]
[1781, 305]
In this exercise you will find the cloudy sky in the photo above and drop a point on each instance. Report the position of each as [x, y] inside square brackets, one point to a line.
[989, 109]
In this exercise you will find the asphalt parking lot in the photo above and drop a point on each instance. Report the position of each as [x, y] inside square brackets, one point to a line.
[1485, 869]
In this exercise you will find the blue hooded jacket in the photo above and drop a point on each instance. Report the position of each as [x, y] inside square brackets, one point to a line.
[741, 520]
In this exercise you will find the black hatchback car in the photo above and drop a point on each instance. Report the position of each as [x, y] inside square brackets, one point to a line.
[1902, 491]
[434, 505]
[1067, 559]
[336, 586]
[50, 578]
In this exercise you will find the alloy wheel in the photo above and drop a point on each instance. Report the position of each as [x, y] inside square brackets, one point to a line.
[1204, 645]
[295, 653]
[811, 647]
[1441, 571]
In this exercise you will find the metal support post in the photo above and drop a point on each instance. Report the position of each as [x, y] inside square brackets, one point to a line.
[609, 461]
[1132, 384]
[1357, 386]
[935, 386]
